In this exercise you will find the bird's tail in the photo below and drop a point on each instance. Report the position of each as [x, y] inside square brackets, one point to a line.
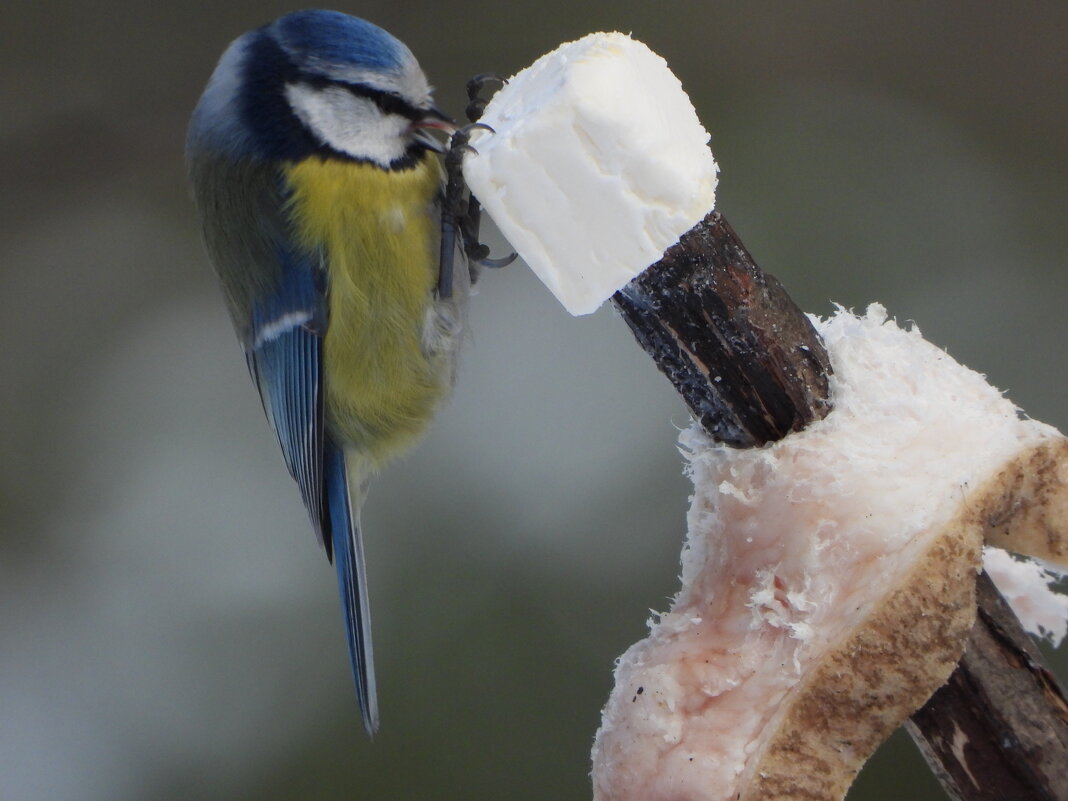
[352, 579]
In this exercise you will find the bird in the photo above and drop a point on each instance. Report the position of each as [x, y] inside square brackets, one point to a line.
[316, 174]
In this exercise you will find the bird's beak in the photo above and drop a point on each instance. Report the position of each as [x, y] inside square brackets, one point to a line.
[436, 119]
[433, 119]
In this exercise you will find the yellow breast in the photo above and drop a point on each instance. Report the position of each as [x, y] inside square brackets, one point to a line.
[378, 234]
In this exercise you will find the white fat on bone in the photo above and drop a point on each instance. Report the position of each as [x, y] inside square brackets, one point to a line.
[597, 164]
[827, 579]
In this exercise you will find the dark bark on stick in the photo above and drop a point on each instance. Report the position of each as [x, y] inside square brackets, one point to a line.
[752, 369]
[745, 358]
[998, 729]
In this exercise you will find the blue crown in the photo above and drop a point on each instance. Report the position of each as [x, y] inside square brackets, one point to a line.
[334, 38]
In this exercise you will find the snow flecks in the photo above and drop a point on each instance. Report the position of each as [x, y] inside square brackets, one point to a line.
[1026, 584]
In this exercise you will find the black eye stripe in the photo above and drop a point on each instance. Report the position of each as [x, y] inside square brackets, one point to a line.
[388, 102]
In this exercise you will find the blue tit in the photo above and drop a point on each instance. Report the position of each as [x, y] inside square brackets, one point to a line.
[319, 190]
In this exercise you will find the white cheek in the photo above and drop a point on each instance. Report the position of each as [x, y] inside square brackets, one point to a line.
[350, 124]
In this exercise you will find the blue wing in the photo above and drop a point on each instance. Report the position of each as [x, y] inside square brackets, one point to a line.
[285, 359]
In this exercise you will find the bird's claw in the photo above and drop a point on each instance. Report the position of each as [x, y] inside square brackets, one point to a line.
[475, 86]
[460, 142]
[495, 264]
[462, 216]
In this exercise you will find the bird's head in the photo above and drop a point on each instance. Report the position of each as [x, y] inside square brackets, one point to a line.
[319, 82]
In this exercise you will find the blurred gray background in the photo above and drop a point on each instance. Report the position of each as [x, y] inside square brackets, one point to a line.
[169, 628]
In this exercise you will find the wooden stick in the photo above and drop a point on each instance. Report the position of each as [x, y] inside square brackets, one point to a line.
[752, 369]
[744, 357]
[998, 729]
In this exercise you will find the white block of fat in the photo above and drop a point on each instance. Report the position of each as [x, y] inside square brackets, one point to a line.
[596, 166]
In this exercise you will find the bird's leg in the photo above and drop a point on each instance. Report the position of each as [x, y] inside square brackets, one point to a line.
[462, 216]
[475, 250]
[453, 211]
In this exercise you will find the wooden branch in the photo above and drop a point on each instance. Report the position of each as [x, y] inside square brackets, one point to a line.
[998, 729]
[752, 369]
[745, 358]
